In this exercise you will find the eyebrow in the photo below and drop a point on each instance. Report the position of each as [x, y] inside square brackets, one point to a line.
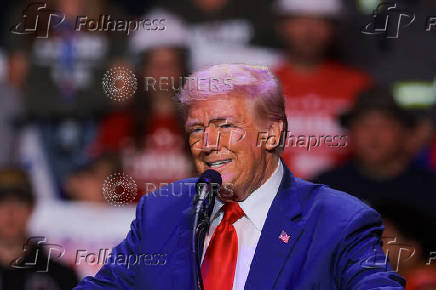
[220, 118]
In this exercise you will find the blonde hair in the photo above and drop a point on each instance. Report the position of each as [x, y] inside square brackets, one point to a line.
[251, 81]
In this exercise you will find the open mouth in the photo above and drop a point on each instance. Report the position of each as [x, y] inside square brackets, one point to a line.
[218, 164]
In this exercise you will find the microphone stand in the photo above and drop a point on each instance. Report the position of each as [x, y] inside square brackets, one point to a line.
[202, 229]
[203, 203]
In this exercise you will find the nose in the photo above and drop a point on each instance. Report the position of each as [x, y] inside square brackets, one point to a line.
[211, 139]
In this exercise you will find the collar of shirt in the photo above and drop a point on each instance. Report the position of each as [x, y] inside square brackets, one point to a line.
[257, 204]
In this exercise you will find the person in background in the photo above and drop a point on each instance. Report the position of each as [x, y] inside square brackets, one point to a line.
[423, 149]
[62, 94]
[216, 31]
[423, 142]
[432, 154]
[418, 98]
[397, 55]
[380, 168]
[24, 261]
[11, 105]
[148, 132]
[408, 243]
[226, 23]
[85, 183]
[65, 69]
[316, 87]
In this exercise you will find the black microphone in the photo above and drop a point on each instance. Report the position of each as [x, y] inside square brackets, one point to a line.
[208, 186]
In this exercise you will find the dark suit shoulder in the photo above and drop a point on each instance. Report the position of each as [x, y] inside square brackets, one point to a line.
[327, 203]
[334, 177]
[159, 212]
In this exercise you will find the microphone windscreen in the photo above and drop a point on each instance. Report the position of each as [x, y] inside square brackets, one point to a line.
[210, 176]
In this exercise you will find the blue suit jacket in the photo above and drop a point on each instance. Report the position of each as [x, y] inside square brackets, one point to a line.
[334, 243]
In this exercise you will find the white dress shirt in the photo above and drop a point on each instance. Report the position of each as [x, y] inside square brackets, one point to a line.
[249, 227]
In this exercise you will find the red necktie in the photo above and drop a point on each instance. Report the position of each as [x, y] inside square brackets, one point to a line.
[219, 264]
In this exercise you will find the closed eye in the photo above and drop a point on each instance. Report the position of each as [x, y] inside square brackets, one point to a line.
[227, 125]
[196, 130]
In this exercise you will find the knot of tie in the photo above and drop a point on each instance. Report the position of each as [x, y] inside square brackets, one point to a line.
[232, 212]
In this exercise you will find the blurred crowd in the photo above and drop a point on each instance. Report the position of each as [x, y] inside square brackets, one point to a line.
[376, 94]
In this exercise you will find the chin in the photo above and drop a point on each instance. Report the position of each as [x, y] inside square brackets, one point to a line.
[228, 178]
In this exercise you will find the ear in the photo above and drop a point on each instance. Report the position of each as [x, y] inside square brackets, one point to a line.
[279, 31]
[274, 135]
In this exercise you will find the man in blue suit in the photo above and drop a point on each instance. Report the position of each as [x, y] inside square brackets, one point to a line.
[268, 229]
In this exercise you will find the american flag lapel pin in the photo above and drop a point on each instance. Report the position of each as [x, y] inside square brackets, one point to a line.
[284, 237]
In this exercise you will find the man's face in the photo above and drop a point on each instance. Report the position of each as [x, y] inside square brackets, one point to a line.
[14, 215]
[222, 136]
[164, 62]
[376, 137]
[308, 37]
[210, 5]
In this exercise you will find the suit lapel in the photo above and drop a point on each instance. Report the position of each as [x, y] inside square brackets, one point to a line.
[271, 251]
[182, 263]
